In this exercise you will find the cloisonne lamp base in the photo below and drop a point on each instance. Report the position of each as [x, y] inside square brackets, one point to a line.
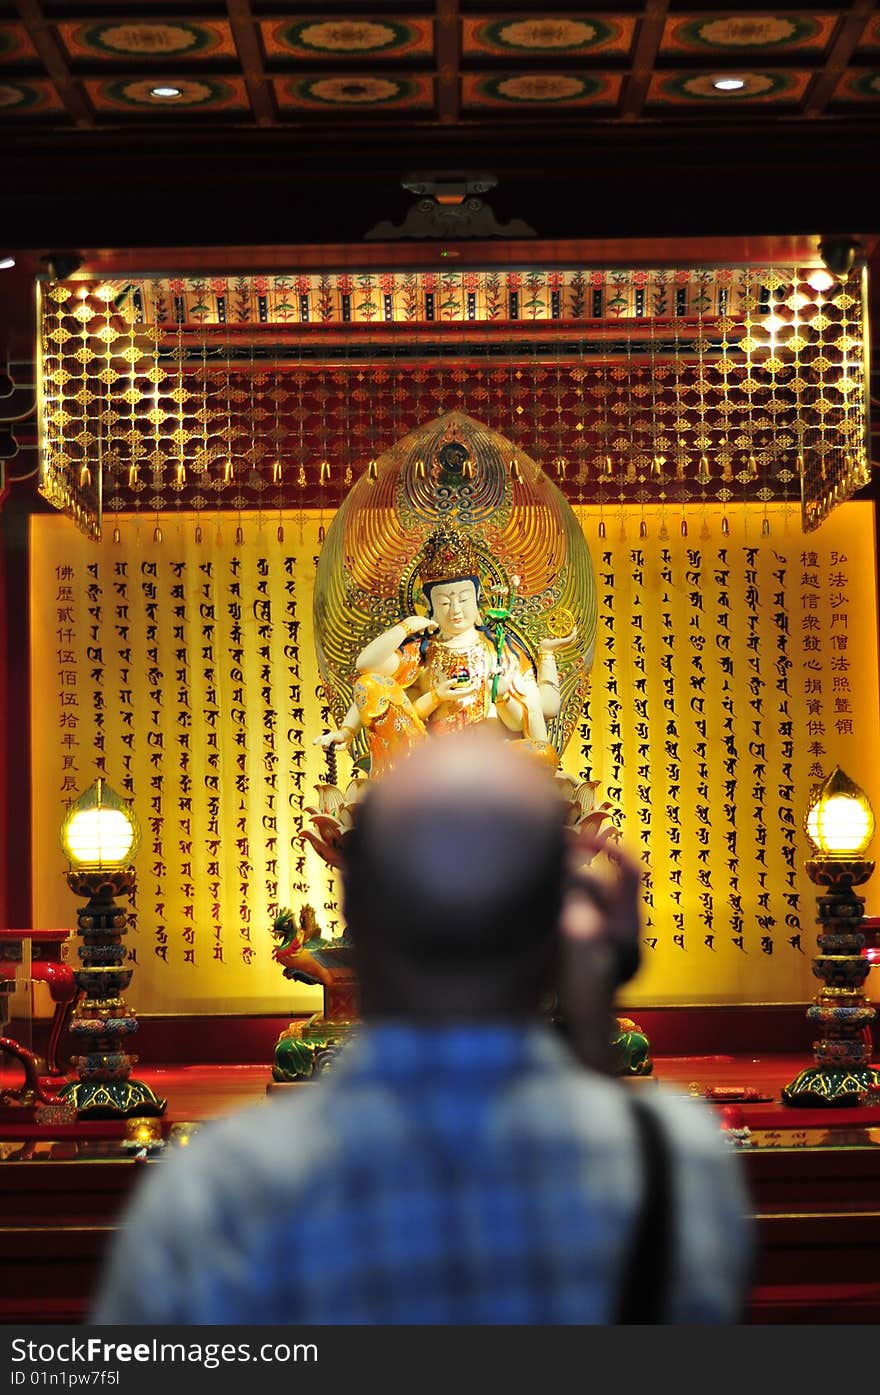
[821, 1086]
[102, 1099]
[102, 1022]
[842, 1073]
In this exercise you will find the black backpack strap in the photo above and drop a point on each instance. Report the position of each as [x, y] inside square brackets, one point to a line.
[647, 1269]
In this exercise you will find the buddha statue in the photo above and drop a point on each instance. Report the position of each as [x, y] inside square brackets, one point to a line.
[448, 668]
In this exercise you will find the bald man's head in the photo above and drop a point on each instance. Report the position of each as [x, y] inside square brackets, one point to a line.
[453, 878]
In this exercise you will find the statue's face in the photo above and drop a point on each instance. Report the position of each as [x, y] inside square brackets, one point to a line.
[454, 607]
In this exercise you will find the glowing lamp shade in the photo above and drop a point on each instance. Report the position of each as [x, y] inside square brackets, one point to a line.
[100, 829]
[820, 279]
[840, 821]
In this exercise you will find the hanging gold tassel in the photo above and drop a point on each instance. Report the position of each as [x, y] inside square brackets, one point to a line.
[157, 534]
[752, 465]
[239, 534]
[725, 526]
[228, 472]
[608, 465]
[198, 532]
[684, 528]
[561, 465]
[765, 528]
[280, 532]
[321, 533]
[601, 527]
[657, 464]
[181, 473]
[276, 472]
[301, 477]
[348, 476]
[324, 472]
[372, 470]
[132, 476]
[117, 536]
[643, 529]
[703, 475]
[85, 475]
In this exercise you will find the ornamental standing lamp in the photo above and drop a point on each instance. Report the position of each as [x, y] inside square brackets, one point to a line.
[100, 836]
[840, 825]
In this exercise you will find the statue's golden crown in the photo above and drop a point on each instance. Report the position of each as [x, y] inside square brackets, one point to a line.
[447, 553]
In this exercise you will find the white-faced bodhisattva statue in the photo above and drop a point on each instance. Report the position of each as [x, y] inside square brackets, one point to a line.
[449, 668]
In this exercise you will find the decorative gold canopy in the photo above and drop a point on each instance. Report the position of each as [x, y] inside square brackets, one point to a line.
[457, 472]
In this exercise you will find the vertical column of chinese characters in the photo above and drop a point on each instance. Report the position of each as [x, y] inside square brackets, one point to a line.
[210, 735]
[608, 649]
[813, 665]
[183, 754]
[585, 731]
[238, 719]
[122, 630]
[697, 705]
[641, 729]
[729, 749]
[69, 716]
[95, 661]
[269, 753]
[671, 747]
[837, 586]
[149, 571]
[785, 813]
[294, 723]
[757, 746]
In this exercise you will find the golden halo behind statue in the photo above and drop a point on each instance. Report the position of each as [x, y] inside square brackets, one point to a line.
[453, 473]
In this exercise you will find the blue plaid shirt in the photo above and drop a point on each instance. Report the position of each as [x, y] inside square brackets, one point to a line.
[462, 1174]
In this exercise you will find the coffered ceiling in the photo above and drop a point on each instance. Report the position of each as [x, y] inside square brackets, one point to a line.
[204, 122]
[455, 62]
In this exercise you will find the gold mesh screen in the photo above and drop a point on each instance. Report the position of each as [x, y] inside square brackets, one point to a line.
[675, 387]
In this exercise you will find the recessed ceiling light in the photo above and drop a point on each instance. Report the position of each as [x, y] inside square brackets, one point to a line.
[165, 93]
[6, 263]
[729, 84]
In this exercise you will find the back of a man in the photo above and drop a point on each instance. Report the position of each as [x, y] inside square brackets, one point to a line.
[459, 1165]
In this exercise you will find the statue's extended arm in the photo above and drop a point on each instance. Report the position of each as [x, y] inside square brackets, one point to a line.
[380, 655]
[548, 673]
[344, 733]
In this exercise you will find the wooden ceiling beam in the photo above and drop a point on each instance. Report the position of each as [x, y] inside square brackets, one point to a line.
[837, 62]
[645, 56]
[448, 42]
[52, 59]
[247, 42]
